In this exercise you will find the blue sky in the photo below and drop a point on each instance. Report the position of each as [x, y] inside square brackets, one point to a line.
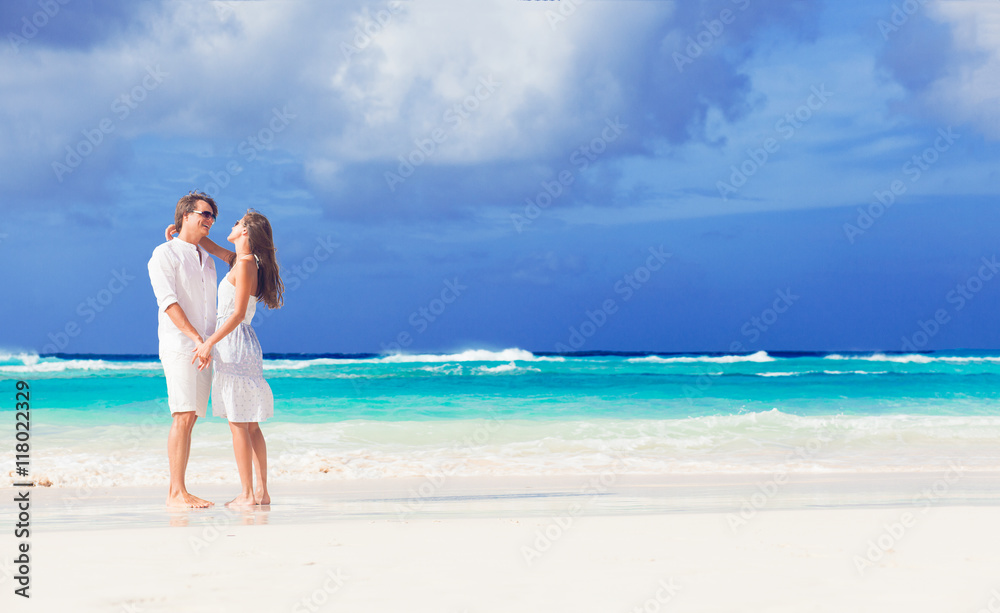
[594, 175]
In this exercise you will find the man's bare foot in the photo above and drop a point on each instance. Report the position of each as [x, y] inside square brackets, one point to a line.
[189, 501]
[263, 498]
[242, 501]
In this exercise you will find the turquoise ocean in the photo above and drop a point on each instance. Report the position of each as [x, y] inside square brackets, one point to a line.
[101, 420]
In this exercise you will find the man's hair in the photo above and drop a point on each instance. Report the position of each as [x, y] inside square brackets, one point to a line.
[189, 203]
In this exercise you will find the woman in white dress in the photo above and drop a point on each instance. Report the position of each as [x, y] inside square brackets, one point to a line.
[239, 391]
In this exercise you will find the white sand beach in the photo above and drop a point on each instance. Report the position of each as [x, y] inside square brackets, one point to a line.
[837, 543]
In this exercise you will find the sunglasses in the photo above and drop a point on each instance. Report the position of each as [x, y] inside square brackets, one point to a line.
[205, 214]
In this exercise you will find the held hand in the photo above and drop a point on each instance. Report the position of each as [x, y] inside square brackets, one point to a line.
[203, 355]
[171, 230]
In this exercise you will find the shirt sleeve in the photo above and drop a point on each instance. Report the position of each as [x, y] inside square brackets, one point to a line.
[163, 277]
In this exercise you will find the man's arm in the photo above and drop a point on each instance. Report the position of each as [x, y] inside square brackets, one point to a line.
[177, 315]
[163, 277]
[179, 318]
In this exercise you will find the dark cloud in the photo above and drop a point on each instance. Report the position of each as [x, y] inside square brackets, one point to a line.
[694, 64]
[621, 73]
[918, 52]
[656, 103]
[73, 24]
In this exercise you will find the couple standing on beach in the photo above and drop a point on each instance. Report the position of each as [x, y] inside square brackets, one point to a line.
[207, 351]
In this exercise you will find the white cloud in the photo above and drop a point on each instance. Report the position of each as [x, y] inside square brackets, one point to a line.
[496, 78]
[970, 93]
[504, 91]
[499, 79]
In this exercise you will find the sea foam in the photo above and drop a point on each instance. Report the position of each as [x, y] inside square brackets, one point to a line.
[760, 356]
[763, 442]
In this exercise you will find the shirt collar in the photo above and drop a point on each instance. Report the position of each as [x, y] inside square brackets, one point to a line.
[185, 246]
[179, 244]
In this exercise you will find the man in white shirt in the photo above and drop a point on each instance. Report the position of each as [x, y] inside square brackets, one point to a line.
[184, 281]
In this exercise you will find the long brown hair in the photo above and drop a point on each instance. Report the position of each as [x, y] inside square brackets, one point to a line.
[269, 285]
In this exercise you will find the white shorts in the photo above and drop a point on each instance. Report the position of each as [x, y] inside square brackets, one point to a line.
[188, 389]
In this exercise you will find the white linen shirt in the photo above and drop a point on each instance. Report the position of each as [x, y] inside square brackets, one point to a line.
[177, 275]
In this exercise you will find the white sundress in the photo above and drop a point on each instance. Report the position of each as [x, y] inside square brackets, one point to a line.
[239, 391]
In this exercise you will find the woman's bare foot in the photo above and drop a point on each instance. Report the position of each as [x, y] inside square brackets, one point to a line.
[242, 501]
[189, 501]
[263, 498]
